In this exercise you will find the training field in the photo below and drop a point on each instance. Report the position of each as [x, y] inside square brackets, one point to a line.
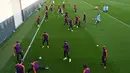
[113, 31]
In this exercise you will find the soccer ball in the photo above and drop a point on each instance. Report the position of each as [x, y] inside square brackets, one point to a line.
[40, 58]
[97, 45]
[77, 26]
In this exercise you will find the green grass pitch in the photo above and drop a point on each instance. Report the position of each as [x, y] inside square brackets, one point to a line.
[113, 31]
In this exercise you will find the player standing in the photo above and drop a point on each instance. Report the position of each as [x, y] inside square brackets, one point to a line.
[84, 17]
[35, 67]
[66, 14]
[104, 56]
[79, 22]
[66, 20]
[86, 69]
[71, 25]
[63, 4]
[45, 37]
[58, 7]
[46, 7]
[76, 20]
[75, 8]
[38, 20]
[20, 68]
[18, 50]
[51, 8]
[66, 51]
[46, 15]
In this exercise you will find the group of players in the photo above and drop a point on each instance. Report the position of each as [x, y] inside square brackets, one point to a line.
[34, 65]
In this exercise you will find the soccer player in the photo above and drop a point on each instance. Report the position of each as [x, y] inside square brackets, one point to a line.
[51, 8]
[66, 51]
[66, 14]
[58, 7]
[84, 17]
[66, 20]
[45, 37]
[86, 69]
[79, 22]
[63, 4]
[106, 8]
[75, 8]
[38, 20]
[76, 20]
[46, 15]
[104, 56]
[97, 19]
[46, 7]
[18, 51]
[19, 67]
[35, 67]
[71, 25]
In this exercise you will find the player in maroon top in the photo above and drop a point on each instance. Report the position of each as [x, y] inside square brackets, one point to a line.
[38, 20]
[45, 37]
[35, 67]
[20, 68]
[104, 56]
[75, 8]
[60, 9]
[84, 17]
[51, 8]
[46, 15]
[76, 20]
[66, 14]
[71, 25]
[18, 51]
[66, 20]
[46, 7]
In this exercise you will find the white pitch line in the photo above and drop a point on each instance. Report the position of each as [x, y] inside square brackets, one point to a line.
[34, 36]
[109, 15]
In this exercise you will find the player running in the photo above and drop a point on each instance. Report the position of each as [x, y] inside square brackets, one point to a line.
[71, 25]
[46, 15]
[18, 51]
[104, 56]
[66, 51]
[86, 69]
[20, 68]
[66, 21]
[97, 19]
[84, 17]
[45, 37]
[35, 67]
[75, 8]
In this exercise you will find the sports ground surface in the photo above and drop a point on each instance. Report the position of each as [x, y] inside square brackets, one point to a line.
[113, 31]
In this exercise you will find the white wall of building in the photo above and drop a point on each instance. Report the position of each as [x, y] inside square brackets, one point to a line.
[17, 12]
